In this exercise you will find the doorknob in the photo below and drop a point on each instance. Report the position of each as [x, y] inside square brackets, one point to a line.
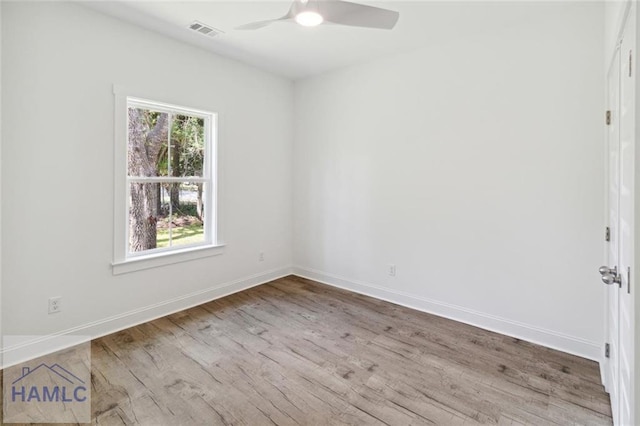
[605, 270]
[609, 279]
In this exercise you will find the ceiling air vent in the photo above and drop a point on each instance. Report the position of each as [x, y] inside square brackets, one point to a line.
[203, 29]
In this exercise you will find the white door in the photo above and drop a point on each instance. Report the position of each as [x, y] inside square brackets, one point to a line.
[613, 247]
[619, 366]
[627, 148]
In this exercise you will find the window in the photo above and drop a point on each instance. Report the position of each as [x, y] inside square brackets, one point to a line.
[169, 185]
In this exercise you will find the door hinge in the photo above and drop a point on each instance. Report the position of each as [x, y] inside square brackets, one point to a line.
[630, 62]
[628, 279]
[607, 350]
[607, 118]
[607, 234]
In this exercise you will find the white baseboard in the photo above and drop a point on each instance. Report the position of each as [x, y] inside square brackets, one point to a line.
[540, 336]
[35, 346]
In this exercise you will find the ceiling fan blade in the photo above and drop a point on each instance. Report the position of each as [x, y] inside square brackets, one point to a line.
[261, 24]
[357, 15]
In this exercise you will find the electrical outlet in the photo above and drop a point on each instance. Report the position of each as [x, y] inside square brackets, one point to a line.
[55, 304]
[392, 270]
[261, 256]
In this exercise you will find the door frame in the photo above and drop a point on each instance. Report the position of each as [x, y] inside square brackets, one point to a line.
[629, 13]
[612, 75]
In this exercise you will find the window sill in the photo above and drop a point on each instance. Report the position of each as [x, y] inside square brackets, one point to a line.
[161, 259]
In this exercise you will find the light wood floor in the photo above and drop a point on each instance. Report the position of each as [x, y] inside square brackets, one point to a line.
[297, 352]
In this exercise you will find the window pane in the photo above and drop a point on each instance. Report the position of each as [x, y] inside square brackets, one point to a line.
[187, 146]
[183, 223]
[165, 214]
[144, 215]
[147, 148]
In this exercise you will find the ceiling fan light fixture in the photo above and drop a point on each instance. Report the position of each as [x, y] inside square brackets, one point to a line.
[311, 13]
[309, 18]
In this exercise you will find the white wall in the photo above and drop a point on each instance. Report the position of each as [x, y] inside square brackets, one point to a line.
[60, 61]
[475, 166]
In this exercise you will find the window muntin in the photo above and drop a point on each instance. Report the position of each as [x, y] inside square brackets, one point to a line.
[170, 187]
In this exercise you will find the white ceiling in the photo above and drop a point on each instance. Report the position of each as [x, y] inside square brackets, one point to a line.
[293, 51]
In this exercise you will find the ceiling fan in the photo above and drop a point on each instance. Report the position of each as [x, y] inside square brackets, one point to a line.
[310, 13]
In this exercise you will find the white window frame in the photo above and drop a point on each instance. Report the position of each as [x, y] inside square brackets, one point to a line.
[125, 261]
